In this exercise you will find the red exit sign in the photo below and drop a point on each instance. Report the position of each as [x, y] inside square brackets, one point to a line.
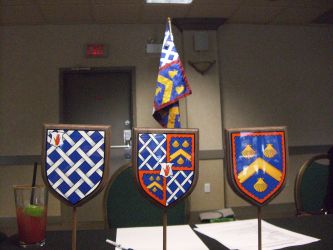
[96, 50]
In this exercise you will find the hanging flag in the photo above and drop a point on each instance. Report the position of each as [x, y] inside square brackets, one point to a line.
[171, 84]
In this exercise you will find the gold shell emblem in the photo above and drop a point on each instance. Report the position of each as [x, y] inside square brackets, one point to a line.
[260, 186]
[180, 161]
[269, 151]
[248, 152]
[185, 144]
[175, 144]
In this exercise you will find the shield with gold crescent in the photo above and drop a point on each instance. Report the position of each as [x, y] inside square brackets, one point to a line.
[165, 162]
[257, 162]
[75, 161]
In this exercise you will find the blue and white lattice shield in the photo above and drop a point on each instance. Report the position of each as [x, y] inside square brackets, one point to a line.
[165, 162]
[75, 161]
[257, 162]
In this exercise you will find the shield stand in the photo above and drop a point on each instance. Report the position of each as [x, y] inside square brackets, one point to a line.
[259, 228]
[165, 223]
[74, 223]
[98, 146]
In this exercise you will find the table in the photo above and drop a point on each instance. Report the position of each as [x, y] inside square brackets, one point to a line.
[316, 226]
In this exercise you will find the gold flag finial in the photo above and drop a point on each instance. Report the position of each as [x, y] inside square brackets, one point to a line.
[169, 22]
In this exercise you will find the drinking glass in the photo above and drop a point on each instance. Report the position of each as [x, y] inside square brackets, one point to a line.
[31, 214]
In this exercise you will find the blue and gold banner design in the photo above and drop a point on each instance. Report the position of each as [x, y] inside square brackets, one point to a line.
[258, 164]
[165, 166]
[171, 85]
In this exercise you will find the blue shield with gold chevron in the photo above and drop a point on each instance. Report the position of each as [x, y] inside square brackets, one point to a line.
[165, 163]
[257, 162]
[75, 161]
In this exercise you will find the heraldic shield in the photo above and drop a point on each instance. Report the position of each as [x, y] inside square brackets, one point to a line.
[75, 161]
[165, 162]
[257, 162]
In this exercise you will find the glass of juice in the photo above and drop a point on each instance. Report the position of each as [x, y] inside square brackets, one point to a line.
[31, 214]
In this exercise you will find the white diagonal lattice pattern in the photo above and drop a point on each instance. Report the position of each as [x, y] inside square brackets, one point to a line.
[151, 151]
[74, 170]
[169, 52]
[178, 185]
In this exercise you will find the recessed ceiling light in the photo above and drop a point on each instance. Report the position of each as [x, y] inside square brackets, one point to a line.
[170, 1]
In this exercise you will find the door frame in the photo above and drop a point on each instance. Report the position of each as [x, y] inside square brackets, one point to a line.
[87, 70]
[65, 211]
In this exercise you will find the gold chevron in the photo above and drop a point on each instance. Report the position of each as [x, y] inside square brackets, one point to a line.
[178, 153]
[154, 185]
[255, 166]
[168, 84]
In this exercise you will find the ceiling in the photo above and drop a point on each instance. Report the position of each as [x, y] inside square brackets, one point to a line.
[285, 12]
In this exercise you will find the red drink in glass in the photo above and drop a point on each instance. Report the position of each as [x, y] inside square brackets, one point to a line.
[31, 227]
[31, 214]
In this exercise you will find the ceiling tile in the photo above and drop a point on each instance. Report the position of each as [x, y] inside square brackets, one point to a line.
[136, 11]
[311, 3]
[62, 2]
[66, 13]
[297, 15]
[16, 2]
[266, 3]
[254, 15]
[117, 1]
[116, 13]
[158, 14]
[19, 14]
[211, 10]
[222, 2]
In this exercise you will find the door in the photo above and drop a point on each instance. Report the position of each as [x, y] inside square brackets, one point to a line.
[98, 96]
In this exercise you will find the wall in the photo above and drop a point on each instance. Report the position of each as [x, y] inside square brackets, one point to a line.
[278, 75]
[31, 57]
[204, 112]
[248, 58]
[29, 68]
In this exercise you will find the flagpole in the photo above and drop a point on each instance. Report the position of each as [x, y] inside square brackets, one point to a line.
[169, 22]
[184, 102]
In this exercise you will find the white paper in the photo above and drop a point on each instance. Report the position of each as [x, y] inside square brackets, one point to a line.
[243, 234]
[151, 238]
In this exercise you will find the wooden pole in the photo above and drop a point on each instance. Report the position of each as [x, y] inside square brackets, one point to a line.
[74, 222]
[259, 228]
[165, 223]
